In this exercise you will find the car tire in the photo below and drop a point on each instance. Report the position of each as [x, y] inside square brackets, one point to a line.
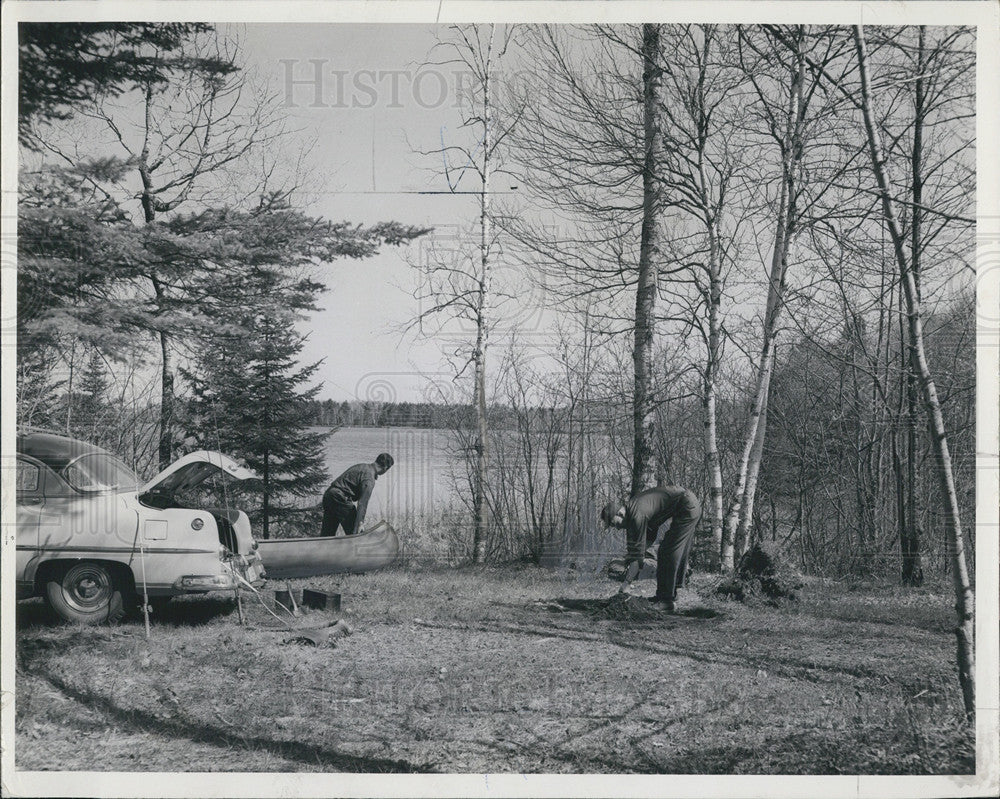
[86, 593]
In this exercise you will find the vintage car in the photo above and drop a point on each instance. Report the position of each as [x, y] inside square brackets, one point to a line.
[92, 538]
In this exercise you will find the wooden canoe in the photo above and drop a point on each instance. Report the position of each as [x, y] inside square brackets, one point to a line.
[309, 557]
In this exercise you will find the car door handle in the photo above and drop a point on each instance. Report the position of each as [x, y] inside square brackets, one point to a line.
[29, 501]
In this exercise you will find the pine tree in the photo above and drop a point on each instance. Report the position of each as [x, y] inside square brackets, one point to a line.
[251, 400]
[91, 403]
[37, 391]
[63, 65]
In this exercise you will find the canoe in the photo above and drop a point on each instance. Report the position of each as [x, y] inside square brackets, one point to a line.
[309, 557]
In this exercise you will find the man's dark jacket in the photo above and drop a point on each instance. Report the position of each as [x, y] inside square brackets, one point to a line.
[648, 510]
[354, 485]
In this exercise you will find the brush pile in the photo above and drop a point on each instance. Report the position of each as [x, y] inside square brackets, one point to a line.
[626, 607]
[762, 573]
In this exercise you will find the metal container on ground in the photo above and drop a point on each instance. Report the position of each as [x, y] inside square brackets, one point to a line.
[320, 600]
[284, 598]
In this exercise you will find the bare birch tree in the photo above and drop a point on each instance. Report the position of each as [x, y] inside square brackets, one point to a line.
[702, 172]
[461, 284]
[788, 105]
[964, 599]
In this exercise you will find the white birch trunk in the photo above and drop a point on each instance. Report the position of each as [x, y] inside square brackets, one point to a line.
[480, 521]
[964, 599]
[712, 458]
[740, 513]
[643, 466]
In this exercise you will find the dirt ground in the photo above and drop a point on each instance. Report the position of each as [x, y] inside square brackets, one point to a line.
[503, 671]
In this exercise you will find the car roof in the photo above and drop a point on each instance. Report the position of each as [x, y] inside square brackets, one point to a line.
[53, 450]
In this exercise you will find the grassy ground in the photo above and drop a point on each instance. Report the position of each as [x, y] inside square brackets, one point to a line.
[503, 671]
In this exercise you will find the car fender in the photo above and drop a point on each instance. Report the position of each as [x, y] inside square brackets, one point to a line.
[84, 528]
[176, 542]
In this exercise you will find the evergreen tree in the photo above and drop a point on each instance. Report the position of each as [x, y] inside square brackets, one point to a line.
[91, 401]
[252, 400]
[63, 65]
[200, 120]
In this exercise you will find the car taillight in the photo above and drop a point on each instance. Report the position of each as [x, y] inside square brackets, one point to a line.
[205, 582]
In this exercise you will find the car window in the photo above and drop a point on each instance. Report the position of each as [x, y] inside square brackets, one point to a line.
[100, 471]
[27, 476]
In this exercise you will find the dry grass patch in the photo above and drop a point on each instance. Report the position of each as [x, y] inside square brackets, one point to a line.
[484, 670]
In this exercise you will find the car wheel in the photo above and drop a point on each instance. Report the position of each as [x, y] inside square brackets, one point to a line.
[87, 593]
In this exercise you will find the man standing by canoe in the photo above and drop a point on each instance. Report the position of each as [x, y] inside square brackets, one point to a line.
[345, 502]
[641, 517]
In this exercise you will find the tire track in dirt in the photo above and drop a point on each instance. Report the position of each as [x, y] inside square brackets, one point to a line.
[784, 667]
[569, 747]
[200, 732]
[562, 755]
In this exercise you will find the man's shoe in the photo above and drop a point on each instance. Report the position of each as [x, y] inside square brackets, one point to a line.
[666, 605]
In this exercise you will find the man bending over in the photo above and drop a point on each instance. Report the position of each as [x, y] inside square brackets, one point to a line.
[641, 517]
[345, 502]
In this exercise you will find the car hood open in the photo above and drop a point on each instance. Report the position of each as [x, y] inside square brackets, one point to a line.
[187, 472]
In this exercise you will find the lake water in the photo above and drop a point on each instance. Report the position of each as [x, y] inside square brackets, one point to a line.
[420, 481]
[428, 483]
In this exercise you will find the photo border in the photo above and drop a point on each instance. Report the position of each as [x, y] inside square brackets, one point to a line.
[980, 13]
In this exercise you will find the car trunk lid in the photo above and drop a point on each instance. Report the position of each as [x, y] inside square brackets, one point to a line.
[187, 472]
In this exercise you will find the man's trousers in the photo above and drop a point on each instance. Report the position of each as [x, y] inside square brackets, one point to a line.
[672, 557]
[337, 514]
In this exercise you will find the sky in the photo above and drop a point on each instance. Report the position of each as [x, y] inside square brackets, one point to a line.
[359, 91]
[369, 106]
[365, 97]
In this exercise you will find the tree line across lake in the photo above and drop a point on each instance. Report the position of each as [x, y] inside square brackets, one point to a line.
[427, 415]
